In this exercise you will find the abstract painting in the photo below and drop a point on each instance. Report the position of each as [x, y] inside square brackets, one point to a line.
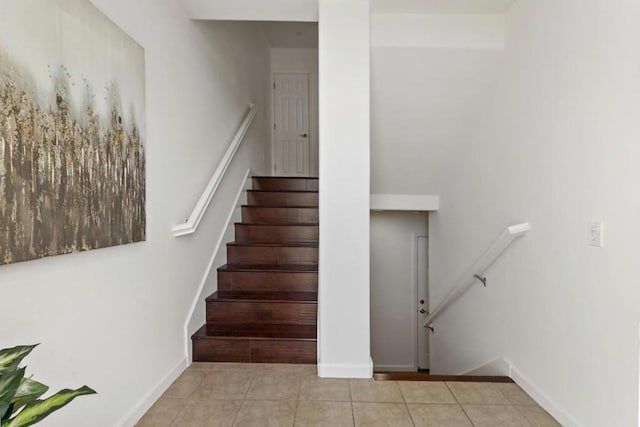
[72, 131]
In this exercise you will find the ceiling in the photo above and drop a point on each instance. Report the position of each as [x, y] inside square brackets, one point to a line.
[442, 6]
[292, 34]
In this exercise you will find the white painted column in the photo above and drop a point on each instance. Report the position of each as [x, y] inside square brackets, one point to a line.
[344, 68]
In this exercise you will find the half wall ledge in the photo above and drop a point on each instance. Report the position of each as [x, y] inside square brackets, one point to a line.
[404, 202]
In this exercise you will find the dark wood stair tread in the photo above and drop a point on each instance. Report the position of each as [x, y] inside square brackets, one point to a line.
[270, 296]
[420, 376]
[286, 224]
[284, 191]
[258, 331]
[284, 177]
[280, 206]
[302, 244]
[285, 268]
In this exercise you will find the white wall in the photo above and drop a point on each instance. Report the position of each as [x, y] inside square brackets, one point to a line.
[114, 318]
[305, 61]
[437, 31]
[343, 318]
[420, 100]
[555, 143]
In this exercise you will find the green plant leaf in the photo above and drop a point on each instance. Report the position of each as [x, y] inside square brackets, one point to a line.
[7, 415]
[40, 409]
[28, 391]
[10, 358]
[9, 384]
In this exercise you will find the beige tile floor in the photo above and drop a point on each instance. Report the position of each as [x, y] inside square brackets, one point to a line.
[233, 394]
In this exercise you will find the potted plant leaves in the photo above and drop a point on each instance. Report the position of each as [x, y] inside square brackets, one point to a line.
[20, 403]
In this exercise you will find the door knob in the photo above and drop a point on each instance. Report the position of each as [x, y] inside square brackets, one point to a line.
[304, 135]
[423, 311]
[421, 301]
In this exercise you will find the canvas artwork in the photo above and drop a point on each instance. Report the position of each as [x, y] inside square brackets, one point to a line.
[72, 131]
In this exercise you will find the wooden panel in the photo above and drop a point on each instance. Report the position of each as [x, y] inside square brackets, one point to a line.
[277, 255]
[285, 184]
[280, 333]
[263, 312]
[284, 352]
[278, 215]
[276, 233]
[221, 350]
[279, 198]
[419, 376]
[267, 281]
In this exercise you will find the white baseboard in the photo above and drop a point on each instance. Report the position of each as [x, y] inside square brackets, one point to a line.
[328, 370]
[498, 367]
[562, 416]
[152, 396]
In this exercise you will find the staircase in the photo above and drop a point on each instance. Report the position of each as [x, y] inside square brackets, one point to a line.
[265, 309]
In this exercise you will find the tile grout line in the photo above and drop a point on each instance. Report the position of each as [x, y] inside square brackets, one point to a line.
[297, 405]
[459, 404]
[404, 401]
[244, 398]
[353, 415]
[187, 398]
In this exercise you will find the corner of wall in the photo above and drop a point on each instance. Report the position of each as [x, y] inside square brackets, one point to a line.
[140, 408]
[533, 390]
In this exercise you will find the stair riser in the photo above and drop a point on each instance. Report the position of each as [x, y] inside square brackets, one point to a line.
[261, 312]
[285, 184]
[267, 281]
[276, 234]
[282, 199]
[271, 255]
[266, 215]
[254, 351]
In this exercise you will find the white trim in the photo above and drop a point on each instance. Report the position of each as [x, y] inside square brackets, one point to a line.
[252, 10]
[152, 396]
[562, 416]
[326, 370]
[404, 202]
[496, 367]
[191, 224]
[467, 280]
[216, 248]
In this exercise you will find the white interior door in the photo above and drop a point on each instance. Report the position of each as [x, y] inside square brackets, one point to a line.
[422, 298]
[398, 276]
[291, 125]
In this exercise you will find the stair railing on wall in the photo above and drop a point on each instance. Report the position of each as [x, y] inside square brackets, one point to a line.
[191, 224]
[476, 272]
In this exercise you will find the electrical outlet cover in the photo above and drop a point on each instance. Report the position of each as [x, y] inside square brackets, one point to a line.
[595, 237]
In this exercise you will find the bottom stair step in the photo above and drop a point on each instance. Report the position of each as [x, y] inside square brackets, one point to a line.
[262, 344]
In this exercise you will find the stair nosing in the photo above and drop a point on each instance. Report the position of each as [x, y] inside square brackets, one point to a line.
[287, 177]
[278, 224]
[285, 191]
[270, 267]
[201, 334]
[293, 244]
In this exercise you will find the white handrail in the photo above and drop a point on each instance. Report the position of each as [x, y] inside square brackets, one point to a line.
[191, 224]
[478, 269]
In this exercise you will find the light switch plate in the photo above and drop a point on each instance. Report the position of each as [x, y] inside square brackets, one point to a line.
[595, 234]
